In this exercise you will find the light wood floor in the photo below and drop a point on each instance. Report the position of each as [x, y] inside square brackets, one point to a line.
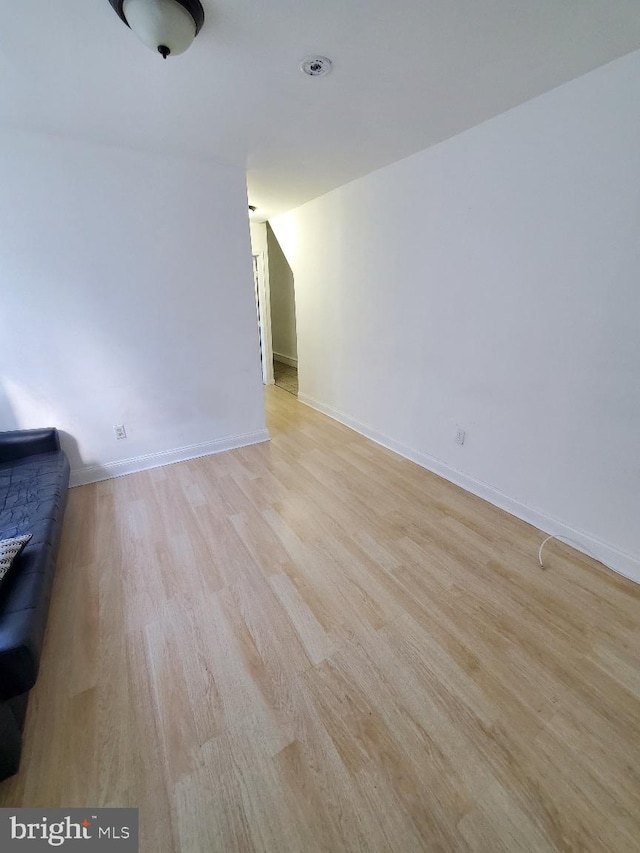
[286, 377]
[314, 645]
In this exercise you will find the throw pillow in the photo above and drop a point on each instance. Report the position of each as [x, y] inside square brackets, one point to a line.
[9, 550]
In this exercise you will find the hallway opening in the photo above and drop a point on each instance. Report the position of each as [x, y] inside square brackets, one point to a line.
[275, 301]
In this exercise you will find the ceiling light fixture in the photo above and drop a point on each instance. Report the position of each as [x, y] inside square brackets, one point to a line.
[167, 26]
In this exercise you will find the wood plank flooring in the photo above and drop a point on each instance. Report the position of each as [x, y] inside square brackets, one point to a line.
[286, 377]
[315, 645]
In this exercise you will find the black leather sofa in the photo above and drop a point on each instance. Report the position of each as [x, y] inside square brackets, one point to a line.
[34, 480]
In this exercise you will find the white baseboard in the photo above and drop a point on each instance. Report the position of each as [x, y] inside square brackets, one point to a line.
[285, 359]
[620, 561]
[108, 470]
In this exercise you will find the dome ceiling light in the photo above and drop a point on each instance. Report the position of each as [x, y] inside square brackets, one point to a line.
[166, 26]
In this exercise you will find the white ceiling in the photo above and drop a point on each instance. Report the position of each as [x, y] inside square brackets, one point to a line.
[407, 74]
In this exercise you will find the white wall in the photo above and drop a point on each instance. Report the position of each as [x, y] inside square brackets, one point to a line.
[258, 237]
[126, 297]
[491, 283]
[283, 305]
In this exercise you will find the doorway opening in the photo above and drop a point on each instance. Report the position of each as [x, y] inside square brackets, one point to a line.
[261, 290]
[275, 299]
[283, 316]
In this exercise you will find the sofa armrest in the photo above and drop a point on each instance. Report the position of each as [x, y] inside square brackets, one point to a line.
[27, 442]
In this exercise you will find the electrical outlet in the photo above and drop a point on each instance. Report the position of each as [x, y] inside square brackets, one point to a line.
[120, 431]
[460, 436]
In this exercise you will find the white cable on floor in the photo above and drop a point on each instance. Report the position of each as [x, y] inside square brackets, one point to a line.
[540, 551]
[577, 545]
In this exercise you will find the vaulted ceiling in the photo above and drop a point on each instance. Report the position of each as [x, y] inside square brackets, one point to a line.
[407, 74]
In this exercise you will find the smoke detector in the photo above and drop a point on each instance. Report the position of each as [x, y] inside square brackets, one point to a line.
[316, 66]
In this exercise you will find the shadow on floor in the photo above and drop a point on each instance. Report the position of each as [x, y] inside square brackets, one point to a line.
[286, 377]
